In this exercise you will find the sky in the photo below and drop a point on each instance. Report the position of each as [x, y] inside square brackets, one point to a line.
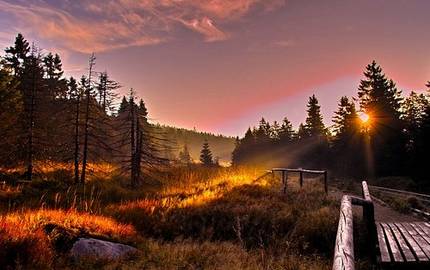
[221, 65]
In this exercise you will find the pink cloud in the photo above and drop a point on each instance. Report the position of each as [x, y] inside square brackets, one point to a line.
[113, 24]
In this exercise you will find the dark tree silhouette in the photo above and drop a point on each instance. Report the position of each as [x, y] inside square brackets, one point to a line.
[88, 92]
[206, 155]
[314, 125]
[380, 99]
[16, 55]
[347, 141]
[106, 91]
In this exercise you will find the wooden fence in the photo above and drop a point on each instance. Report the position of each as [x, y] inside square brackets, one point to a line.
[284, 174]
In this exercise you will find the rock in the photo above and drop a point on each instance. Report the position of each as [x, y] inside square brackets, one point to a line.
[100, 249]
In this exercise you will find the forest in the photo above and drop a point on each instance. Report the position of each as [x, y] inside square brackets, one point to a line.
[378, 133]
[48, 117]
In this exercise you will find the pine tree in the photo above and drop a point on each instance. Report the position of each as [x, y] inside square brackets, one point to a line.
[347, 151]
[286, 133]
[57, 86]
[33, 86]
[206, 155]
[345, 120]
[381, 100]
[123, 105]
[262, 134]
[16, 55]
[314, 125]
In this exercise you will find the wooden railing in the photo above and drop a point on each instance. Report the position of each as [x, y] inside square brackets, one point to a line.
[285, 171]
[344, 247]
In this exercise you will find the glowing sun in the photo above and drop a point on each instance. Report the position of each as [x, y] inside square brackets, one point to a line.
[364, 117]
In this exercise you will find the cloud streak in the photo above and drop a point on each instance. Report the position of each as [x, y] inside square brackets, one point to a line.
[86, 26]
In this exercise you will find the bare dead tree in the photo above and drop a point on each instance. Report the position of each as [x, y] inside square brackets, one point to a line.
[91, 63]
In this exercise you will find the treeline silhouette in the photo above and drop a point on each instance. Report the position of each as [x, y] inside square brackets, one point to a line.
[47, 117]
[387, 134]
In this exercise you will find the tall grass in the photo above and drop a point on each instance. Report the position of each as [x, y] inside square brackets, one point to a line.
[193, 218]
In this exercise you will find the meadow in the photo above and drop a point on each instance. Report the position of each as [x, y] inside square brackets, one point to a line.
[183, 218]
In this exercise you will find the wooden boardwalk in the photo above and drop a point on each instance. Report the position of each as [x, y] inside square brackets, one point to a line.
[394, 245]
[404, 244]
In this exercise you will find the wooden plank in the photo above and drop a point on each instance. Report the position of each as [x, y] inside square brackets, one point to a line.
[393, 246]
[423, 227]
[425, 246]
[404, 247]
[344, 247]
[383, 248]
[412, 242]
[420, 231]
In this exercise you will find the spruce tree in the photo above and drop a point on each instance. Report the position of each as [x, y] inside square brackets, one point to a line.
[286, 133]
[381, 100]
[314, 125]
[347, 154]
[123, 105]
[17, 54]
[206, 154]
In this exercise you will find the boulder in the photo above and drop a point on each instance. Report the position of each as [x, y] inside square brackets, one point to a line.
[100, 249]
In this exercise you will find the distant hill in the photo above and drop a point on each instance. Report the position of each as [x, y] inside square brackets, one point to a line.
[221, 146]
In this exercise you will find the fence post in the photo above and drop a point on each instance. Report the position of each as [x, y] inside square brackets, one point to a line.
[301, 179]
[325, 182]
[284, 181]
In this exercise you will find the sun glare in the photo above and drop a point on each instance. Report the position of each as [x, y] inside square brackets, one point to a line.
[364, 117]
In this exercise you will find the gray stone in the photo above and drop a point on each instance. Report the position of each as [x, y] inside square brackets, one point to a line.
[100, 249]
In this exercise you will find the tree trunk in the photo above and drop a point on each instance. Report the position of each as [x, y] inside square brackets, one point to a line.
[31, 124]
[133, 146]
[87, 113]
[76, 153]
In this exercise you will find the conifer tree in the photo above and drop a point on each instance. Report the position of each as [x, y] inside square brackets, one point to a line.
[347, 157]
[314, 125]
[17, 54]
[286, 132]
[381, 100]
[206, 154]
[123, 105]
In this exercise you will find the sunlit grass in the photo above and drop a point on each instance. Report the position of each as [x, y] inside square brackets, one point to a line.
[25, 240]
[234, 214]
[97, 170]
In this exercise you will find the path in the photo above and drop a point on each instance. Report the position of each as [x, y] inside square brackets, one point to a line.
[383, 213]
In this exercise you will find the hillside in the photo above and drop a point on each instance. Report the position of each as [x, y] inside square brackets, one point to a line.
[221, 146]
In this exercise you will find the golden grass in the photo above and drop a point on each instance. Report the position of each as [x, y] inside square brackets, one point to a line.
[24, 240]
[100, 169]
[213, 218]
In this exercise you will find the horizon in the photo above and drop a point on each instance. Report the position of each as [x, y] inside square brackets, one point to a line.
[194, 62]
